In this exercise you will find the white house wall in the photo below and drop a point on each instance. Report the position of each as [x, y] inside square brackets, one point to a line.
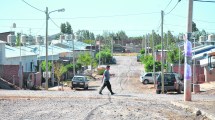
[2, 53]
[26, 62]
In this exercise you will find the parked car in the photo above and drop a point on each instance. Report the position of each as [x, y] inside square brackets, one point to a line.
[79, 81]
[172, 82]
[112, 61]
[147, 77]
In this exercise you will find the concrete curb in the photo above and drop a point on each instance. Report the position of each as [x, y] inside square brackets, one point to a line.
[195, 110]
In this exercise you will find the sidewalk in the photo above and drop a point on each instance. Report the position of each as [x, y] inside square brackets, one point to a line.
[205, 108]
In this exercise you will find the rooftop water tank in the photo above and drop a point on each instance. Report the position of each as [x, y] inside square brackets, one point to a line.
[202, 38]
[68, 37]
[39, 39]
[23, 39]
[11, 39]
[31, 40]
[62, 37]
[211, 37]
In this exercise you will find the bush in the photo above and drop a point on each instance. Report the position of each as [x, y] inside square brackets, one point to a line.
[100, 70]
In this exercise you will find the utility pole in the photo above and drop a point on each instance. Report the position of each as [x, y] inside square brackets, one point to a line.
[194, 64]
[142, 41]
[162, 56]
[47, 18]
[179, 62]
[73, 52]
[91, 53]
[145, 44]
[99, 51]
[153, 54]
[112, 46]
[188, 55]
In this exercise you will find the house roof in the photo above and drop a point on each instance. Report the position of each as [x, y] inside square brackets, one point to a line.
[15, 52]
[69, 44]
[40, 50]
[203, 49]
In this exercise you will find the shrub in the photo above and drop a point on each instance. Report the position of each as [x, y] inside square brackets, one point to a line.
[100, 70]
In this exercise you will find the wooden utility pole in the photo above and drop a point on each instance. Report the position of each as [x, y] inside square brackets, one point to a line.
[162, 56]
[188, 55]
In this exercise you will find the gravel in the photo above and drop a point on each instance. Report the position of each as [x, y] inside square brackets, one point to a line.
[133, 100]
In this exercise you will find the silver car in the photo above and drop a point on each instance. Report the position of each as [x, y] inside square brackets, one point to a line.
[147, 77]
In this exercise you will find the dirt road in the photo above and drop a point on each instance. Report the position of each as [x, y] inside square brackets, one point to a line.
[133, 100]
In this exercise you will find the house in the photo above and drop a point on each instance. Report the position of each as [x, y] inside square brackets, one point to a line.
[10, 59]
[204, 56]
[79, 47]
[13, 56]
[3, 36]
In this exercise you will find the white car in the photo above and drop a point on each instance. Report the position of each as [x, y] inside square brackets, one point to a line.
[147, 77]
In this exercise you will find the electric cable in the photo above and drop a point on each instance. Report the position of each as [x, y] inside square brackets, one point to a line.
[167, 5]
[54, 23]
[173, 8]
[32, 6]
[205, 1]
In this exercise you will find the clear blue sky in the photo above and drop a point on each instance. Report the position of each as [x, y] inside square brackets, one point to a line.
[100, 15]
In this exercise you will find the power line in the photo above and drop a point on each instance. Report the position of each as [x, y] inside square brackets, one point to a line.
[167, 5]
[204, 1]
[32, 6]
[173, 7]
[54, 23]
[92, 17]
[210, 22]
[6, 19]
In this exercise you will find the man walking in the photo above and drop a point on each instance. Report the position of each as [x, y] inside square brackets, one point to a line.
[106, 82]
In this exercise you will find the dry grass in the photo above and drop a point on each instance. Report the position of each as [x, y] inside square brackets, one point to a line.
[125, 54]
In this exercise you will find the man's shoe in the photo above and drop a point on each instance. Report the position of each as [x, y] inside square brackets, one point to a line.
[100, 93]
[112, 93]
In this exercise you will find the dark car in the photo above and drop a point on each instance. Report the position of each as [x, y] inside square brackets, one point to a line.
[172, 83]
[79, 82]
[112, 61]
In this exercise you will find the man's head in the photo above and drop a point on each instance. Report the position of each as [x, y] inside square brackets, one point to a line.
[108, 67]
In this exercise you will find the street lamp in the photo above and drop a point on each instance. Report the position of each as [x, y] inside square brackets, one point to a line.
[47, 18]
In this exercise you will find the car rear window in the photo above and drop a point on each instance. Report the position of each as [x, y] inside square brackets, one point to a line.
[78, 79]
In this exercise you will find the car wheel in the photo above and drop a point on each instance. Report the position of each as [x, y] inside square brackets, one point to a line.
[86, 88]
[145, 81]
[158, 92]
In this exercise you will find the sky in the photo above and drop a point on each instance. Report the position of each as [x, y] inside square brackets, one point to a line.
[135, 17]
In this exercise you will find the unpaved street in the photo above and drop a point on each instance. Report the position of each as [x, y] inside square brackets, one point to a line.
[132, 101]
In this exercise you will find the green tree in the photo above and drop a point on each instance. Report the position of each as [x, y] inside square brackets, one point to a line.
[63, 28]
[66, 28]
[148, 63]
[69, 67]
[173, 55]
[43, 66]
[18, 42]
[85, 59]
[59, 70]
[194, 27]
[105, 56]
[142, 51]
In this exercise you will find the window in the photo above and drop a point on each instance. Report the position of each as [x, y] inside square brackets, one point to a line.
[149, 74]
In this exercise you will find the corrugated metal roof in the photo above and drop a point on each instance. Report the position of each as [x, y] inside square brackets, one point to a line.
[40, 50]
[69, 44]
[15, 52]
